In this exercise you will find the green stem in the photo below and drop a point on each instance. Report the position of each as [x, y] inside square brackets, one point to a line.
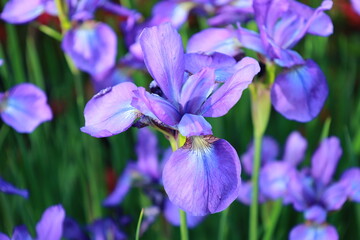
[183, 226]
[139, 225]
[64, 21]
[274, 217]
[223, 229]
[50, 32]
[255, 189]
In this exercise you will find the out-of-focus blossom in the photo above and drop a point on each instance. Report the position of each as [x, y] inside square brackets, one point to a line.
[274, 175]
[300, 91]
[24, 107]
[8, 188]
[313, 192]
[50, 226]
[115, 75]
[146, 174]
[19, 11]
[180, 105]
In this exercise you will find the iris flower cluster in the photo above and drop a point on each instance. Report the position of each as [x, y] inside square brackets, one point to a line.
[311, 191]
[204, 165]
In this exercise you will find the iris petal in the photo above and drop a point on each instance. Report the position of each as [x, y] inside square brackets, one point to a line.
[109, 112]
[194, 125]
[10, 189]
[300, 93]
[25, 107]
[19, 11]
[314, 232]
[295, 148]
[92, 47]
[203, 176]
[50, 225]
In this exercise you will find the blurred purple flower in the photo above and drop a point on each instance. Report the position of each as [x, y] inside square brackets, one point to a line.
[8, 188]
[24, 107]
[181, 104]
[356, 6]
[50, 226]
[313, 192]
[274, 175]
[19, 11]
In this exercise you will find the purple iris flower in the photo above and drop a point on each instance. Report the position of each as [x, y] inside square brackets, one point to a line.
[93, 45]
[8, 188]
[146, 173]
[313, 192]
[50, 226]
[19, 11]
[300, 91]
[24, 107]
[206, 164]
[274, 175]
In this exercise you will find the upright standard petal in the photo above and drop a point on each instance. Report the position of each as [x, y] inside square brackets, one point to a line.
[156, 107]
[351, 179]
[325, 160]
[164, 58]
[147, 153]
[313, 232]
[24, 107]
[172, 214]
[225, 97]
[20, 11]
[299, 93]
[8, 188]
[295, 149]
[203, 176]
[194, 125]
[214, 40]
[92, 47]
[109, 112]
[196, 89]
[50, 225]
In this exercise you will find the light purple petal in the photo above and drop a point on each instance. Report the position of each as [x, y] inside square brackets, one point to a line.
[123, 186]
[194, 125]
[325, 160]
[274, 179]
[203, 176]
[269, 152]
[50, 225]
[20, 11]
[4, 237]
[24, 107]
[174, 12]
[110, 78]
[155, 107]
[351, 179]
[299, 93]
[214, 40]
[196, 90]
[172, 215]
[109, 112]
[295, 149]
[147, 153]
[356, 6]
[222, 63]
[313, 232]
[251, 40]
[334, 196]
[21, 233]
[164, 58]
[92, 47]
[8, 188]
[221, 101]
[246, 193]
[316, 214]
